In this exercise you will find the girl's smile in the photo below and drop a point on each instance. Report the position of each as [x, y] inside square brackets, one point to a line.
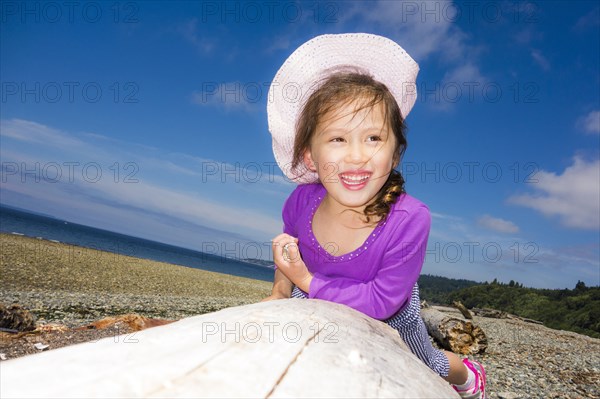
[354, 180]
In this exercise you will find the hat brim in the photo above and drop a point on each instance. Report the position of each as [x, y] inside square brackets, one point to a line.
[298, 78]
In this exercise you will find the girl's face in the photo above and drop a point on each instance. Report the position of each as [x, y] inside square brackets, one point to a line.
[353, 154]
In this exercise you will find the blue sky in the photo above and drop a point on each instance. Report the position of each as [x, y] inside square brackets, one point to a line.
[149, 119]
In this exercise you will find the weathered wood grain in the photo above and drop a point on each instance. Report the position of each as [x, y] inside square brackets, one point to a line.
[284, 348]
[454, 334]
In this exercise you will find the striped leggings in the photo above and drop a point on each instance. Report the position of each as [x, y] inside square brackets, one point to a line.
[412, 330]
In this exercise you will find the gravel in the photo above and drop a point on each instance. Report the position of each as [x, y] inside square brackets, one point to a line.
[75, 286]
[529, 361]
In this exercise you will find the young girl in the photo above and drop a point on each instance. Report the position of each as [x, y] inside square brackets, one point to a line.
[352, 235]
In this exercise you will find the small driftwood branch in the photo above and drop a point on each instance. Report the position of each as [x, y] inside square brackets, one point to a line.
[463, 309]
[514, 317]
[492, 313]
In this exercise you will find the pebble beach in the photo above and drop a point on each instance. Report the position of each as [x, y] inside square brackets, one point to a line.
[75, 286]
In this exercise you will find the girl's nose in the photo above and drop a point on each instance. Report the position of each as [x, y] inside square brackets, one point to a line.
[356, 153]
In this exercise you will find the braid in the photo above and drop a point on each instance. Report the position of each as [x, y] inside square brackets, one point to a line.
[387, 196]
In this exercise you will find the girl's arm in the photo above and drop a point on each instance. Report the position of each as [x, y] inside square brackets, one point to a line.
[290, 265]
[282, 287]
[391, 287]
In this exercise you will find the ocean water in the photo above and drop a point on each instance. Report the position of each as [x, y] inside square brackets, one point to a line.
[20, 222]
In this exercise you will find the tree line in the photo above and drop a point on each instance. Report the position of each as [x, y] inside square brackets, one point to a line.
[576, 309]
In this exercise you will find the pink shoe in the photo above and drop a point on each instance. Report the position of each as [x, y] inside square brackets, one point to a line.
[478, 389]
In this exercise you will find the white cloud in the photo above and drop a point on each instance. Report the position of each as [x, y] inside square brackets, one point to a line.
[497, 224]
[445, 216]
[573, 196]
[33, 132]
[422, 28]
[460, 82]
[465, 73]
[280, 42]
[459, 249]
[528, 35]
[189, 30]
[171, 185]
[590, 123]
[588, 21]
[539, 58]
[426, 29]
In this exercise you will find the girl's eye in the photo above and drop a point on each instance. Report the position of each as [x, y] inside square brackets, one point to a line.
[337, 139]
[374, 138]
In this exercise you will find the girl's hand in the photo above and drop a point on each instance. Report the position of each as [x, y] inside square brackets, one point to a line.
[287, 258]
[274, 296]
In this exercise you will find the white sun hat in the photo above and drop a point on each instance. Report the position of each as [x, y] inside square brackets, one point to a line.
[313, 62]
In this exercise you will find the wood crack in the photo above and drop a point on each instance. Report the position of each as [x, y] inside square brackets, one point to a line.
[174, 381]
[281, 377]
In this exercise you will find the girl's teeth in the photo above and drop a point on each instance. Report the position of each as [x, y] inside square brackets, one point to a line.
[354, 179]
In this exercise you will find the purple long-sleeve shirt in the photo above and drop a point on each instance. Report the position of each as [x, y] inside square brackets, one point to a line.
[377, 278]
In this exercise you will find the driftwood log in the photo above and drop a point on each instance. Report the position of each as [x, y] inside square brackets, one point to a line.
[497, 314]
[284, 348]
[454, 334]
[492, 313]
[14, 318]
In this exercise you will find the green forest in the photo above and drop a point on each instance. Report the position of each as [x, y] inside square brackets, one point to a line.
[576, 309]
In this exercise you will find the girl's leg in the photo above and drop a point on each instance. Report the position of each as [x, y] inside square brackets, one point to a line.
[458, 371]
[412, 330]
[467, 377]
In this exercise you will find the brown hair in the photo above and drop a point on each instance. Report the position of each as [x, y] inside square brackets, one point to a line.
[342, 88]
